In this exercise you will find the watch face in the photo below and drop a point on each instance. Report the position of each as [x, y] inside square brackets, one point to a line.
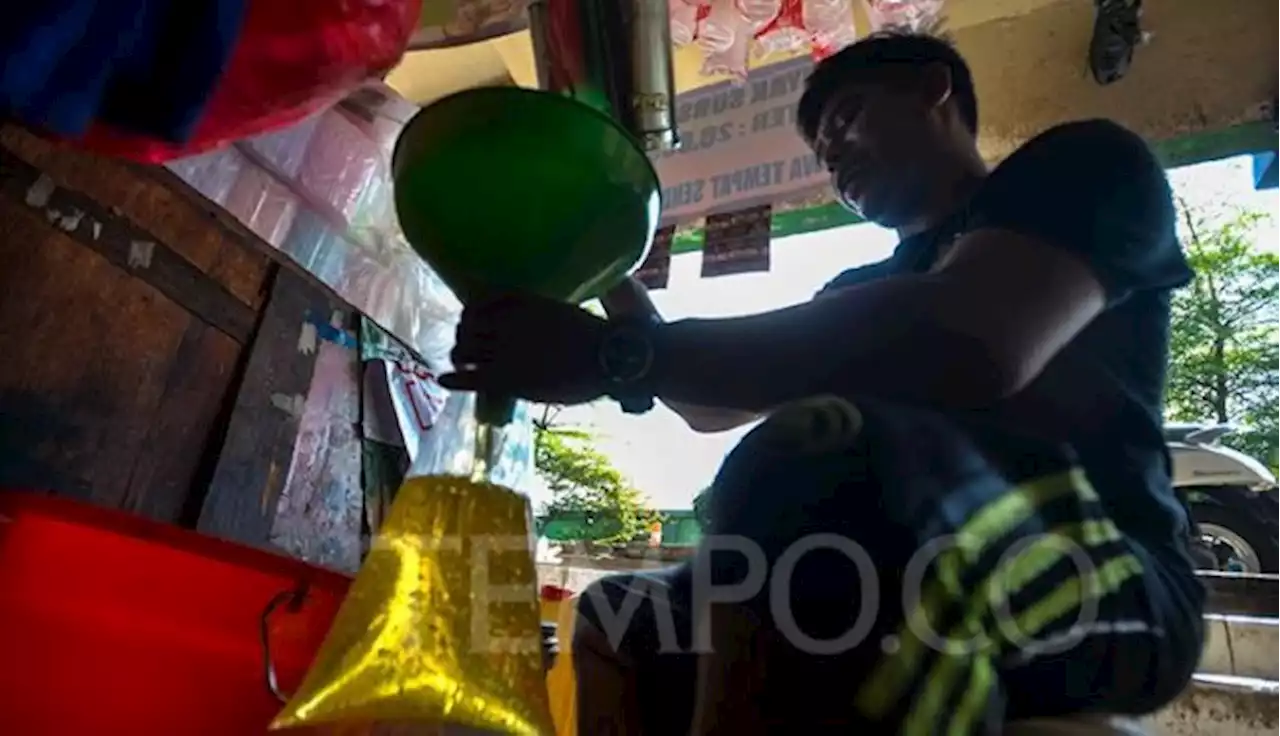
[626, 355]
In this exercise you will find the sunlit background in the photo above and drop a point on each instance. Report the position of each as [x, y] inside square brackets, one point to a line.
[670, 463]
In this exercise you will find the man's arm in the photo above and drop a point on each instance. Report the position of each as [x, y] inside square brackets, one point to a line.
[1078, 219]
[630, 298]
[979, 328]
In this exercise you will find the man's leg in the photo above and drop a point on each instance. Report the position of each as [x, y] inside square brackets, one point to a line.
[979, 553]
[732, 673]
[606, 682]
[1130, 653]
[632, 659]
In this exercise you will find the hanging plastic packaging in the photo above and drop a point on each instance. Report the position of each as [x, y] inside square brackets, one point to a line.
[830, 25]
[917, 16]
[725, 39]
[785, 34]
[730, 32]
[684, 21]
[442, 623]
[291, 60]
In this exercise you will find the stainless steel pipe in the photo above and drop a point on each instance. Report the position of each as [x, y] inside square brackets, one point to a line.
[614, 55]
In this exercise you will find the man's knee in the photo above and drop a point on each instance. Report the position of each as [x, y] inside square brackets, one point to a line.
[639, 612]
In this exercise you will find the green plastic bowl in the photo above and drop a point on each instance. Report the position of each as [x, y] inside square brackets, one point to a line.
[509, 189]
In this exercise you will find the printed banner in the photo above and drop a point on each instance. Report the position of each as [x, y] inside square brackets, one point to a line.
[656, 269]
[446, 23]
[739, 147]
[737, 242]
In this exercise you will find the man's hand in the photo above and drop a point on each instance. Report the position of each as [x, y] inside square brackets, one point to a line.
[529, 347]
[629, 299]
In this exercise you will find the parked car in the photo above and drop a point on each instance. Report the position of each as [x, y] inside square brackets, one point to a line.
[1232, 498]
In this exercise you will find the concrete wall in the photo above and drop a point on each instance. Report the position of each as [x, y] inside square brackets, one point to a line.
[1209, 65]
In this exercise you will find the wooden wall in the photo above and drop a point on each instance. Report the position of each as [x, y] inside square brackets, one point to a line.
[137, 325]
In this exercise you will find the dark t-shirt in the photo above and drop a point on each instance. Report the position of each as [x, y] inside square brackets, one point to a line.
[1095, 189]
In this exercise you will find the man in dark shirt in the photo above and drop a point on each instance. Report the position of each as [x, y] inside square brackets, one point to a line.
[1025, 308]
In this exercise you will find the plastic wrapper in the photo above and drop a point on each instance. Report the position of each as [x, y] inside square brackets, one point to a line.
[380, 112]
[684, 21]
[263, 204]
[320, 191]
[759, 13]
[291, 60]
[283, 151]
[212, 174]
[784, 34]
[731, 32]
[830, 25]
[725, 39]
[340, 162]
[442, 623]
[913, 15]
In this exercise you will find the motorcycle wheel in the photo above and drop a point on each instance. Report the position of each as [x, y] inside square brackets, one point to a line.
[1239, 534]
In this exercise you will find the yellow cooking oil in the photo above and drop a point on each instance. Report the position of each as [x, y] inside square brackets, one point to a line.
[442, 622]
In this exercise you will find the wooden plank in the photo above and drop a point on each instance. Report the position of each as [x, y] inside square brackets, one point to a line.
[318, 515]
[263, 426]
[134, 193]
[238, 230]
[183, 425]
[125, 245]
[87, 349]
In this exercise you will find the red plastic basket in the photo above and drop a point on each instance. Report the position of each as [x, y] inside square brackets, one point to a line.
[112, 624]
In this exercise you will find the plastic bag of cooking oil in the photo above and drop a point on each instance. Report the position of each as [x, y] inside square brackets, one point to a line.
[442, 623]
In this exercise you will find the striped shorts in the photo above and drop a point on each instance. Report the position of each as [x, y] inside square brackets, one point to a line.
[919, 578]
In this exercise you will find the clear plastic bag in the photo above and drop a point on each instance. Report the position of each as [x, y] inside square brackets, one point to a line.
[321, 192]
[340, 162]
[786, 33]
[263, 203]
[283, 150]
[830, 24]
[730, 32]
[725, 37]
[442, 623]
[912, 15]
[212, 174]
[684, 21]
[759, 13]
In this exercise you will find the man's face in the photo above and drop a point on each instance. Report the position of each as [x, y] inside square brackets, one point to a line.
[876, 139]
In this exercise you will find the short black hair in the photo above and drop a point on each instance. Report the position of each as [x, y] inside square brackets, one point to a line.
[874, 52]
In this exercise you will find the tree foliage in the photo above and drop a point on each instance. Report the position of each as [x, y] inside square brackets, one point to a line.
[702, 508]
[591, 496]
[1223, 340]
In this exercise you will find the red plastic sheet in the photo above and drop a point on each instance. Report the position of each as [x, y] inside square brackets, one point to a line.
[291, 60]
[112, 624]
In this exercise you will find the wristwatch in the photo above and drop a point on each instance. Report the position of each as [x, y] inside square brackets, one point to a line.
[626, 359]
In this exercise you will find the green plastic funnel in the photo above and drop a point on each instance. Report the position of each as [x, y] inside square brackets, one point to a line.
[506, 189]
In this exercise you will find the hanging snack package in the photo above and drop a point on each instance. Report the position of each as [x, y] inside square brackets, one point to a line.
[725, 37]
[684, 21]
[830, 25]
[917, 16]
[442, 623]
[785, 33]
